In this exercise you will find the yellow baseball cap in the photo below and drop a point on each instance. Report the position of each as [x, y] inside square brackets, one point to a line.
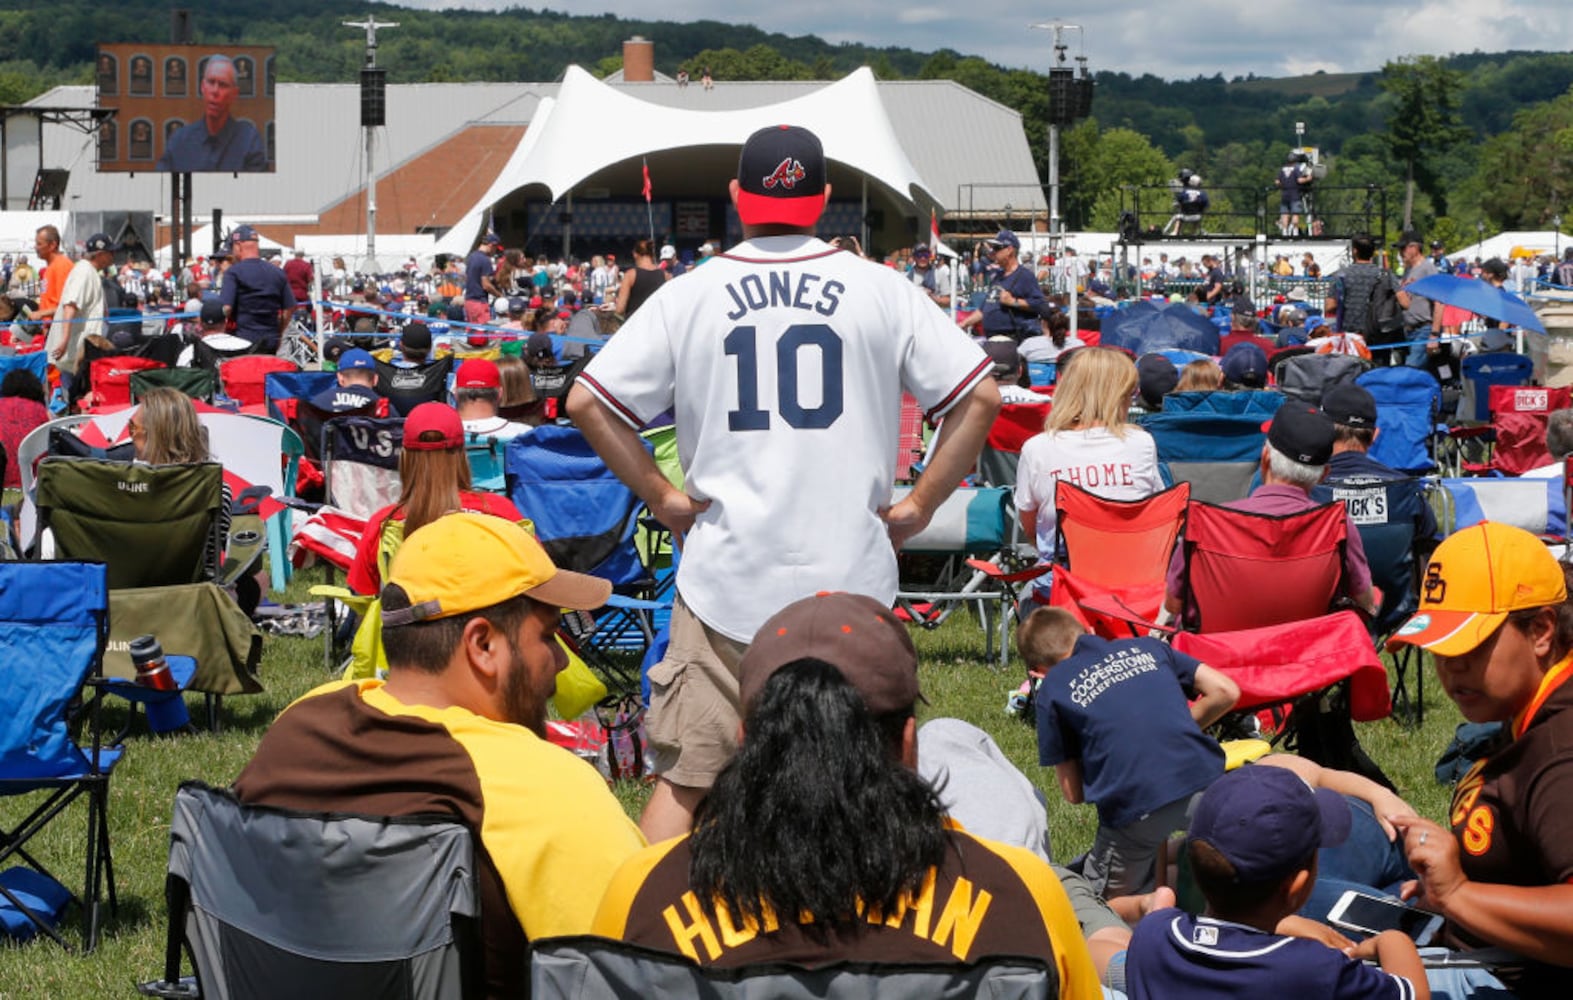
[1475, 578]
[465, 562]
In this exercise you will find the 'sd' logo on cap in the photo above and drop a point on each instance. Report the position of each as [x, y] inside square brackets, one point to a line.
[787, 173]
[1435, 587]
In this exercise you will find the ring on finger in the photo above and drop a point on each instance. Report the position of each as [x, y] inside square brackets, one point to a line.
[1423, 835]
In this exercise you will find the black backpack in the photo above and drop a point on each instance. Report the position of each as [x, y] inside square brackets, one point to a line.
[1384, 317]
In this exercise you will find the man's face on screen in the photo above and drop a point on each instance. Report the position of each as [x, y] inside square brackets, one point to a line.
[218, 91]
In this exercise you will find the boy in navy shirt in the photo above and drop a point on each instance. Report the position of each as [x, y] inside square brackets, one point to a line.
[1115, 721]
[1252, 848]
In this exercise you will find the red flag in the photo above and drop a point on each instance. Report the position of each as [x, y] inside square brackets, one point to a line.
[933, 233]
[646, 181]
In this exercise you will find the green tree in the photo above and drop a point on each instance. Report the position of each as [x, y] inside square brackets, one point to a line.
[1524, 176]
[1423, 122]
[1096, 167]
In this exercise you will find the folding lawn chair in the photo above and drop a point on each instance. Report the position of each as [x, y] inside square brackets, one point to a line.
[571, 967]
[157, 529]
[1516, 436]
[1307, 377]
[1015, 425]
[1480, 372]
[407, 387]
[1115, 550]
[1389, 515]
[54, 625]
[1408, 406]
[198, 383]
[1258, 591]
[1539, 506]
[244, 378]
[109, 380]
[1212, 440]
[278, 903]
[586, 519]
[973, 526]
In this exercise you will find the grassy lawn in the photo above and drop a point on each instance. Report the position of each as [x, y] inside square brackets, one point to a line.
[955, 681]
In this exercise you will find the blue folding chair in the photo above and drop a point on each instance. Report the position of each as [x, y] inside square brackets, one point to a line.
[586, 519]
[1212, 440]
[1390, 516]
[54, 626]
[1408, 404]
[1482, 371]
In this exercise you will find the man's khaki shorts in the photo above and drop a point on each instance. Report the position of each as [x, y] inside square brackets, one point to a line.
[694, 702]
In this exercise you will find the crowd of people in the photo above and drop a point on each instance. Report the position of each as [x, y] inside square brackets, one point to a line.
[799, 816]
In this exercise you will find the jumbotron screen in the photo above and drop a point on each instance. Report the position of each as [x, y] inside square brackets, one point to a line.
[186, 108]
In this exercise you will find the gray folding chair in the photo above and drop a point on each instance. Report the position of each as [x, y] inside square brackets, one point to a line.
[317, 906]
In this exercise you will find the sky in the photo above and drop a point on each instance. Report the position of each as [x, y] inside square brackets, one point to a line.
[1179, 39]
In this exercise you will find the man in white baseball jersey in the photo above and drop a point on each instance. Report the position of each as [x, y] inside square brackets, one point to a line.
[785, 359]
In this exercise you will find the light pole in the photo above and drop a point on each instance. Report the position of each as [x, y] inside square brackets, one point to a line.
[1480, 231]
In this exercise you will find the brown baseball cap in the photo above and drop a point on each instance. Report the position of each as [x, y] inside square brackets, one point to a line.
[855, 634]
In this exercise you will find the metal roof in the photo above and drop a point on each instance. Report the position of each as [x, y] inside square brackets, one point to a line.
[953, 136]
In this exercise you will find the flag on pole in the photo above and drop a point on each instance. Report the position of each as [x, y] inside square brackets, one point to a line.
[933, 232]
[646, 180]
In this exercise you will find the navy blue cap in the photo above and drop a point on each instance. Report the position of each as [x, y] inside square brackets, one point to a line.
[1245, 364]
[1004, 238]
[356, 359]
[243, 234]
[1268, 822]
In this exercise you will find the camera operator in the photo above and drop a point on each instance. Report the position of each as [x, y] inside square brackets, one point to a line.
[1294, 184]
[1190, 202]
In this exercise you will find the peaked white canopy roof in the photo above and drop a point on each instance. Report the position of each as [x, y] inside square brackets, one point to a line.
[848, 116]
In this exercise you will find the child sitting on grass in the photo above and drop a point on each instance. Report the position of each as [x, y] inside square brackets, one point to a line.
[1115, 722]
[1253, 847]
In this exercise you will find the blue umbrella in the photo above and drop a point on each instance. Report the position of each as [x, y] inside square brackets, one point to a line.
[1174, 326]
[1480, 297]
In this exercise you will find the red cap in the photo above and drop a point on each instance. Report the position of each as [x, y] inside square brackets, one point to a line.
[477, 340]
[439, 417]
[535, 302]
[477, 373]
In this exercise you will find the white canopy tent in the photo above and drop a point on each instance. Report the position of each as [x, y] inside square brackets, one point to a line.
[202, 243]
[848, 116]
[17, 230]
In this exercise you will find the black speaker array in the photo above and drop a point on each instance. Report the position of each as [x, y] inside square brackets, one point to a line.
[373, 97]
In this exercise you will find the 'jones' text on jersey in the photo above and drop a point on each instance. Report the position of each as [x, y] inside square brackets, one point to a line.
[784, 289]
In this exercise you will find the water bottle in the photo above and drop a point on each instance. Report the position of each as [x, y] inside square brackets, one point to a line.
[152, 669]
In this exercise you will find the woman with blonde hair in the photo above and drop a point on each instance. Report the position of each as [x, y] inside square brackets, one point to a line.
[1087, 442]
[165, 429]
[1201, 375]
[435, 477]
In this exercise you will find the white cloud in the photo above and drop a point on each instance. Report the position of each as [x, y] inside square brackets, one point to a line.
[924, 15]
[1175, 40]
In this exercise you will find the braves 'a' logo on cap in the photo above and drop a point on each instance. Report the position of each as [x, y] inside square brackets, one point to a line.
[787, 173]
[1435, 586]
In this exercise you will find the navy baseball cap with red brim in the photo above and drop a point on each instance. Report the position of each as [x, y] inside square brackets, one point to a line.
[781, 177]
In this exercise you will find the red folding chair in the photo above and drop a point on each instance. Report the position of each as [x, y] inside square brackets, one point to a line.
[1518, 427]
[1245, 570]
[1115, 550]
[244, 379]
[1013, 427]
[111, 381]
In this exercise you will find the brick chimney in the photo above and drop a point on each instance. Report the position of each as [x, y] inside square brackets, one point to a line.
[638, 60]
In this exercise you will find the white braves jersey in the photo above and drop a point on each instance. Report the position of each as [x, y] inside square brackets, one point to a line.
[785, 360]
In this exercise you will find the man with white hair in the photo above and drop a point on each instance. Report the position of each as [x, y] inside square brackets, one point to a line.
[1294, 458]
[218, 141]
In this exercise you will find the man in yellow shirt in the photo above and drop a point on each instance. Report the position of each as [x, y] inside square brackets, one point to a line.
[468, 615]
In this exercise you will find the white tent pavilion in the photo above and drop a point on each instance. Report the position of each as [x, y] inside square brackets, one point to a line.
[848, 117]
